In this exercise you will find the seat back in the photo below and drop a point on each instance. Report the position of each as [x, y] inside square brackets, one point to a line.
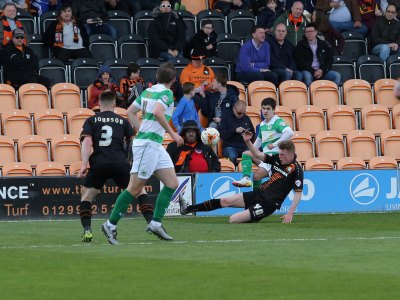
[53, 69]
[226, 165]
[376, 118]
[132, 47]
[324, 93]
[350, 163]
[396, 116]
[119, 68]
[357, 93]
[393, 66]
[390, 143]
[141, 22]
[49, 123]
[384, 92]
[66, 148]
[16, 169]
[45, 20]
[304, 146]
[33, 97]
[215, 16]
[361, 143]
[241, 22]
[7, 98]
[190, 22]
[84, 71]
[74, 168]
[32, 149]
[341, 118]
[293, 94]
[27, 20]
[75, 119]
[148, 68]
[16, 123]
[65, 96]
[228, 46]
[7, 150]
[310, 118]
[382, 162]
[285, 114]
[102, 47]
[219, 66]
[370, 68]
[203, 119]
[121, 20]
[318, 163]
[329, 144]
[254, 114]
[50, 168]
[345, 66]
[167, 140]
[259, 90]
[354, 45]
[242, 90]
[38, 47]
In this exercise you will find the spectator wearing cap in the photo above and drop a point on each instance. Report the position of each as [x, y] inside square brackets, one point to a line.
[206, 39]
[21, 63]
[67, 36]
[9, 22]
[193, 156]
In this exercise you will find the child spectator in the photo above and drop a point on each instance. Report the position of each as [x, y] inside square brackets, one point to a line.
[268, 15]
[132, 85]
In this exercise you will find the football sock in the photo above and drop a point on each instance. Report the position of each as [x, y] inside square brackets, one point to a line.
[246, 165]
[120, 207]
[162, 202]
[85, 213]
[146, 208]
[256, 183]
[209, 205]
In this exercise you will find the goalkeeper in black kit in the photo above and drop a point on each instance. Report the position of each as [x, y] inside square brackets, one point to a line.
[286, 174]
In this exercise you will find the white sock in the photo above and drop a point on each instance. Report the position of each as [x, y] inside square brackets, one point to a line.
[112, 226]
[154, 223]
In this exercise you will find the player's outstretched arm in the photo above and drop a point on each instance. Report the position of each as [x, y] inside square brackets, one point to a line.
[159, 114]
[85, 153]
[287, 218]
[247, 135]
[133, 118]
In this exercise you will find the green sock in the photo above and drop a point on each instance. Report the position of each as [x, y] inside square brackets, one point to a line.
[246, 165]
[120, 207]
[256, 183]
[162, 202]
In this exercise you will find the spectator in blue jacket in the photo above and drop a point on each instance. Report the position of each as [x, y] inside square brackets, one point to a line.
[254, 59]
[186, 110]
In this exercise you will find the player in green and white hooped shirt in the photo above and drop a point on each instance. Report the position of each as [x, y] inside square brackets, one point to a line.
[149, 156]
[272, 131]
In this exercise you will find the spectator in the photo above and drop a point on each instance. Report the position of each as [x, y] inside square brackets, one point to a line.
[93, 14]
[216, 104]
[308, 5]
[268, 15]
[295, 22]
[186, 110]
[225, 6]
[132, 85]
[9, 22]
[21, 63]
[104, 82]
[254, 59]
[206, 39]
[67, 36]
[42, 6]
[282, 55]
[369, 10]
[193, 156]
[314, 58]
[385, 34]
[233, 124]
[122, 5]
[20, 4]
[166, 33]
[137, 5]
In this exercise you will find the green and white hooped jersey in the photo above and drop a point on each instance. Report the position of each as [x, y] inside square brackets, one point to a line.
[150, 129]
[269, 133]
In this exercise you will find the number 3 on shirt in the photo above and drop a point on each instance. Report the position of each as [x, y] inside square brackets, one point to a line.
[106, 136]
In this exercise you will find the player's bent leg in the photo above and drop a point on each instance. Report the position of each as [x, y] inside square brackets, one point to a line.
[85, 212]
[240, 217]
[233, 201]
[259, 174]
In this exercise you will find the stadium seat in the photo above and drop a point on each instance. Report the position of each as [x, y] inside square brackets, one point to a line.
[190, 21]
[195, 6]
[119, 68]
[65, 96]
[259, 90]
[242, 90]
[375, 118]
[167, 140]
[148, 69]
[390, 143]
[75, 119]
[27, 20]
[354, 44]
[84, 71]
[361, 143]
[132, 47]
[370, 68]
[121, 21]
[219, 66]
[228, 46]
[45, 20]
[215, 16]
[383, 91]
[102, 47]
[203, 119]
[33, 149]
[54, 69]
[304, 146]
[318, 163]
[7, 98]
[16, 169]
[121, 112]
[285, 114]
[66, 148]
[240, 22]
[329, 144]
[324, 93]
[357, 93]
[141, 23]
[341, 118]
[227, 165]
[33, 97]
[49, 123]
[7, 150]
[396, 116]
[345, 66]
[293, 94]
[393, 66]
[310, 118]
[74, 168]
[254, 114]
[350, 163]
[382, 162]
[38, 47]
[50, 168]
[179, 64]
[16, 123]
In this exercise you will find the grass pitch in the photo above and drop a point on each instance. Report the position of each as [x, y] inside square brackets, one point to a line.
[354, 256]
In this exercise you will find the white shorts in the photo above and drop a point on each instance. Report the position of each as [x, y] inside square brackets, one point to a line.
[265, 166]
[148, 158]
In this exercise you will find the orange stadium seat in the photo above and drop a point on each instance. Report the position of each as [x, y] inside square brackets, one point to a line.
[50, 168]
[203, 119]
[310, 118]
[259, 90]
[121, 111]
[319, 163]
[293, 94]
[254, 114]
[49, 122]
[226, 165]
[16, 123]
[33, 97]
[242, 90]
[195, 6]
[74, 168]
[390, 143]
[350, 163]
[357, 93]
[16, 169]
[304, 146]
[65, 96]
[66, 148]
[329, 144]
[75, 119]
[167, 140]
[341, 118]
[384, 92]
[382, 162]
[396, 116]
[285, 114]
[361, 143]
[7, 150]
[7, 98]
[376, 118]
[324, 93]
[33, 149]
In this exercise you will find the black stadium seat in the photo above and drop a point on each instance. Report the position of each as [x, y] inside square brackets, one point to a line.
[370, 68]
[148, 69]
[228, 46]
[345, 66]
[354, 44]
[121, 21]
[131, 47]
[118, 67]
[393, 66]
[141, 23]
[84, 71]
[241, 22]
[215, 16]
[102, 47]
[54, 69]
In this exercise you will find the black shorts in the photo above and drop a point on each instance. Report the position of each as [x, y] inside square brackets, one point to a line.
[260, 204]
[99, 173]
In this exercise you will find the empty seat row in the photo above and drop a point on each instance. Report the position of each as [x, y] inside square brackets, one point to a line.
[351, 163]
[45, 168]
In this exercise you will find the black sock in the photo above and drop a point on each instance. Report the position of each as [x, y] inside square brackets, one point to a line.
[86, 214]
[145, 208]
[212, 204]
